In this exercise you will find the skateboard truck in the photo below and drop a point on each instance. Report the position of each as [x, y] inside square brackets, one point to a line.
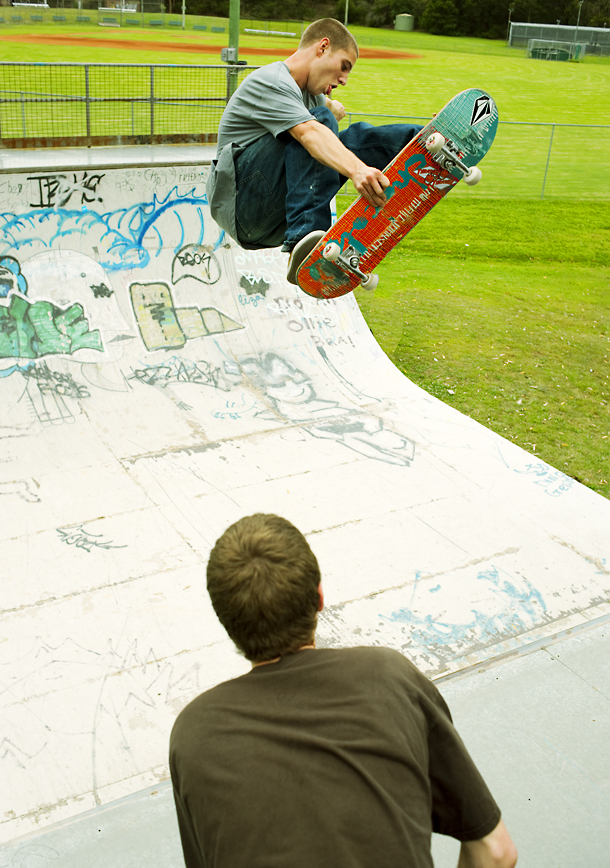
[349, 260]
[446, 155]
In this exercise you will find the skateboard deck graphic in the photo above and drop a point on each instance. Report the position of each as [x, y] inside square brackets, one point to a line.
[420, 176]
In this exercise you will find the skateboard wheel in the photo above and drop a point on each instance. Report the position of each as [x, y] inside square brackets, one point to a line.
[434, 143]
[473, 177]
[332, 251]
[369, 282]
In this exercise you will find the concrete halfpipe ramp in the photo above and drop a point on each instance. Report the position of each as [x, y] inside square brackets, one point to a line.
[156, 384]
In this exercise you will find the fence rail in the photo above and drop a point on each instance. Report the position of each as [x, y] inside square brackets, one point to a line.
[148, 15]
[54, 104]
[60, 104]
[531, 160]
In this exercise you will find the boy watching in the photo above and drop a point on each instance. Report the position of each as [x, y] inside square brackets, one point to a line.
[317, 758]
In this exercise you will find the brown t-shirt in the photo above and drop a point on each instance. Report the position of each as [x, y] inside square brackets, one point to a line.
[326, 759]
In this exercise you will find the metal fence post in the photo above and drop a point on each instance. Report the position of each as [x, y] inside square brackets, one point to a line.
[152, 101]
[234, 36]
[548, 160]
[87, 101]
[23, 114]
[229, 92]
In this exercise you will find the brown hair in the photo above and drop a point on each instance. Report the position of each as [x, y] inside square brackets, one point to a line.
[339, 36]
[263, 582]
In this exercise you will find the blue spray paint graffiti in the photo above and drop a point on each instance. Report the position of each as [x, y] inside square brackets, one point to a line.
[120, 233]
[11, 278]
[518, 608]
[554, 482]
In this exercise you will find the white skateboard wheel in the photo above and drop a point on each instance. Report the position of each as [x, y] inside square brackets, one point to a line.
[369, 282]
[473, 177]
[332, 251]
[434, 143]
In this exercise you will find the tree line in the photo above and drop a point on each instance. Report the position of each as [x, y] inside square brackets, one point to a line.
[483, 18]
[489, 18]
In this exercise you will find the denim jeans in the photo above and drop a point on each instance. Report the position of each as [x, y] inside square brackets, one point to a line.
[283, 193]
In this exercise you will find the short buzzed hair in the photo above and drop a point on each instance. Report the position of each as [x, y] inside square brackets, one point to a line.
[339, 36]
[263, 581]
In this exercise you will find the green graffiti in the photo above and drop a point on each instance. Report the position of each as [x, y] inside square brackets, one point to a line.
[29, 330]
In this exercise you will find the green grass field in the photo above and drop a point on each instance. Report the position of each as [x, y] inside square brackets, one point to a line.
[526, 90]
[502, 309]
[498, 302]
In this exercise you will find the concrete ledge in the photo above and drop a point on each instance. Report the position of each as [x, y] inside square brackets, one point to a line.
[102, 141]
[67, 159]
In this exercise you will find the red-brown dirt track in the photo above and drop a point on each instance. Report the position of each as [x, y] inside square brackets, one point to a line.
[191, 48]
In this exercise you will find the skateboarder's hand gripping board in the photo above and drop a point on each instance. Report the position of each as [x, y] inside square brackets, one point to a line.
[391, 203]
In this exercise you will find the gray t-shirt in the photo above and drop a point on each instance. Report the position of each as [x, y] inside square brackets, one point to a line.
[268, 101]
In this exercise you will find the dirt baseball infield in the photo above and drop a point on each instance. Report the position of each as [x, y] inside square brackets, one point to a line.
[191, 48]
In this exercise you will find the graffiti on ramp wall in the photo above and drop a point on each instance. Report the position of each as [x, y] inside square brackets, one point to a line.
[163, 326]
[120, 280]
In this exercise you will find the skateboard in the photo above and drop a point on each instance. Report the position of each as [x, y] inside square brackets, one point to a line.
[446, 150]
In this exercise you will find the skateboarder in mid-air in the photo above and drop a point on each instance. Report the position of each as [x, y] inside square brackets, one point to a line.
[281, 158]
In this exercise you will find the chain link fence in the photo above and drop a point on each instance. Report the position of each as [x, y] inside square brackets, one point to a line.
[596, 39]
[60, 104]
[136, 14]
[530, 160]
[54, 104]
